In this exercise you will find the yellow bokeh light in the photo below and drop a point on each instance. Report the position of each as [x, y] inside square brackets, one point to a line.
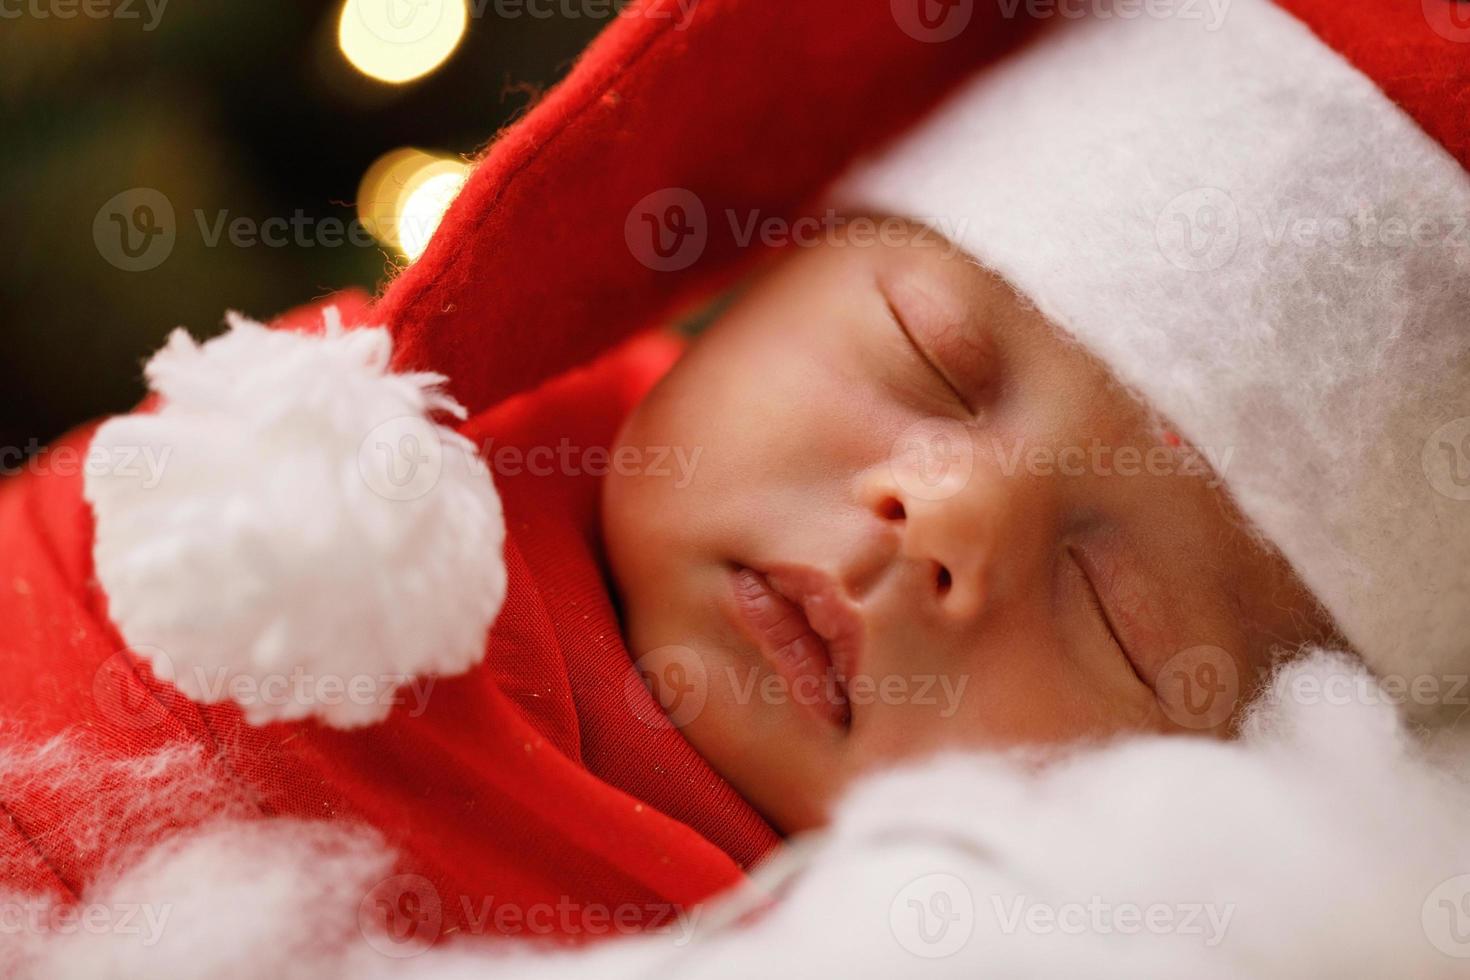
[397, 41]
[424, 208]
[404, 194]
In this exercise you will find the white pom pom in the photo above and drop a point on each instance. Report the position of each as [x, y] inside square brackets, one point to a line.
[293, 532]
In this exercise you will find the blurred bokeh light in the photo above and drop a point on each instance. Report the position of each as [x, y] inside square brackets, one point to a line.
[168, 161]
[400, 40]
[404, 195]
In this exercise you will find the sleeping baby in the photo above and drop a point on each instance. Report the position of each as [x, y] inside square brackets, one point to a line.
[1136, 397]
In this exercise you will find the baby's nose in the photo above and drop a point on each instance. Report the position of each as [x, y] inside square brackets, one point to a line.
[950, 531]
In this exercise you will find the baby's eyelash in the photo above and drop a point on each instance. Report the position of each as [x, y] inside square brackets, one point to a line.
[923, 355]
[1095, 601]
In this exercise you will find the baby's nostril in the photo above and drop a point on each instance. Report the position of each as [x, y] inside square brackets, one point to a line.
[943, 581]
[891, 509]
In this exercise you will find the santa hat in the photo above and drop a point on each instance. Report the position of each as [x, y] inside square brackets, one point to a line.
[1167, 181]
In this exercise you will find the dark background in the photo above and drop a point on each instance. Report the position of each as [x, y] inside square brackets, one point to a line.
[245, 106]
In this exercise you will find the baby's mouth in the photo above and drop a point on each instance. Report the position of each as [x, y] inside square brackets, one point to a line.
[806, 630]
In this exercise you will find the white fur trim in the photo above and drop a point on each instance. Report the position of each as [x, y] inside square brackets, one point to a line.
[1182, 200]
[303, 539]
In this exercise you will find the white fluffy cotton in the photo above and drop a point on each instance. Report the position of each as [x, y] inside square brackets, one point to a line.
[1328, 841]
[235, 899]
[116, 807]
[1271, 252]
[304, 539]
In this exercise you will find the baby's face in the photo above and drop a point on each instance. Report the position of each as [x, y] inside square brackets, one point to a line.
[919, 518]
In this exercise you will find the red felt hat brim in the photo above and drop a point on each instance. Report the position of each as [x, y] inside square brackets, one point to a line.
[751, 105]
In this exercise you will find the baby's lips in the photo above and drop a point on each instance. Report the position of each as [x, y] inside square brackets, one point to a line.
[780, 629]
[828, 611]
